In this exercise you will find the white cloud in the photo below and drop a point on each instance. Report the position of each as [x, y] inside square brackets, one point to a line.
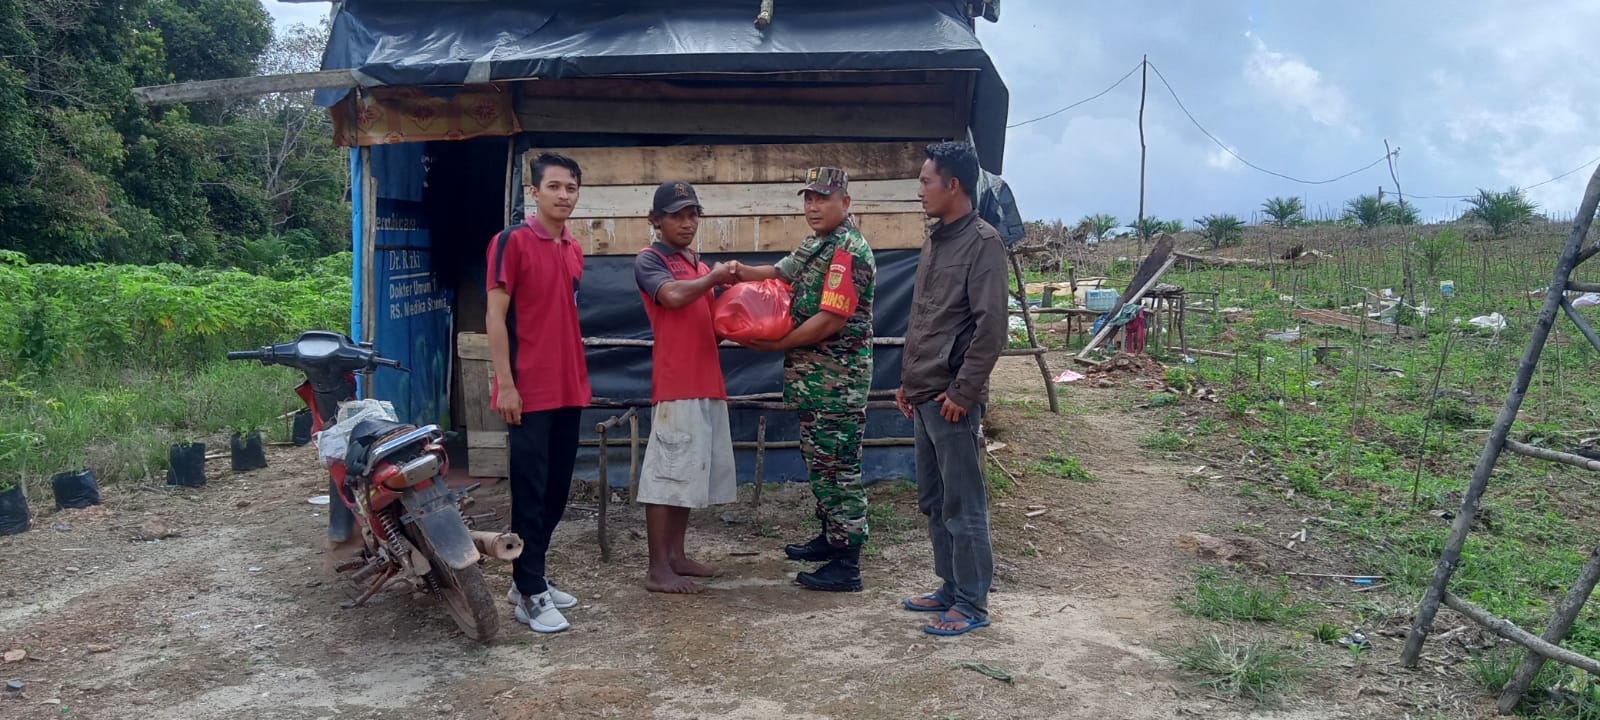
[1297, 86]
[1222, 160]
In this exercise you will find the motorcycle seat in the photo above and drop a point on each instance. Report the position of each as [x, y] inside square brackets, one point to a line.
[365, 436]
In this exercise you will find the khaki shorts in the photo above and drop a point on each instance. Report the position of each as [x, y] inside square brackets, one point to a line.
[689, 461]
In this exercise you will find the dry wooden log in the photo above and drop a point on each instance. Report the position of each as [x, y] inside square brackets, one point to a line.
[1509, 631]
[501, 546]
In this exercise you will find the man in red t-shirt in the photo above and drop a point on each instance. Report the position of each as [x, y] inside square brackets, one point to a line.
[689, 461]
[534, 341]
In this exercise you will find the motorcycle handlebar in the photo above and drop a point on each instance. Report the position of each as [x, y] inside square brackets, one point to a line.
[244, 355]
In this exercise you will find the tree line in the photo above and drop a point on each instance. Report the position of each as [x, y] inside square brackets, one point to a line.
[90, 175]
[1496, 211]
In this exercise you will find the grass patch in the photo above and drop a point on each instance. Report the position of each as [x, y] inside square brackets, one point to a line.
[1162, 440]
[119, 421]
[1230, 600]
[1237, 668]
[1066, 467]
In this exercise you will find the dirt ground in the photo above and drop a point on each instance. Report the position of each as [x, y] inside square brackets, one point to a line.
[234, 615]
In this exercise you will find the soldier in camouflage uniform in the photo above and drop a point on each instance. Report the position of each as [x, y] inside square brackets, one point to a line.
[827, 372]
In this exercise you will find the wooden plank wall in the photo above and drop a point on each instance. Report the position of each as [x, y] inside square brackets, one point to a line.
[749, 193]
[886, 105]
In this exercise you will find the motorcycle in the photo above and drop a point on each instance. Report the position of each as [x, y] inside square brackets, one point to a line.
[390, 483]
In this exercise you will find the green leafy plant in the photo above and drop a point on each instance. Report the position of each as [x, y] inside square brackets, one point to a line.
[1430, 252]
[1100, 224]
[1066, 467]
[1401, 213]
[1220, 230]
[1501, 211]
[1162, 440]
[1284, 211]
[1152, 226]
[1368, 211]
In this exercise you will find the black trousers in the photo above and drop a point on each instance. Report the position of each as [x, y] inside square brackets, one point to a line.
[542, 451]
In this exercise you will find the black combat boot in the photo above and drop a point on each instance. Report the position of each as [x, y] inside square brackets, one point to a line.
[841, 574]
[817, 550]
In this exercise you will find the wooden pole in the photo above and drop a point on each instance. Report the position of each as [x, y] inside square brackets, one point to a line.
[605, 480]
[764, 16]
[1033, 340]
[511, 161]
[761, 459]
[605, 500]
[1144, 84]
[1577, 461]
[1510, 631]
[1554, 632]
[1423, 623]
[633, 459]
[1583, 324]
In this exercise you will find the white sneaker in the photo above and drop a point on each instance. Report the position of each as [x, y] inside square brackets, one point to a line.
[540, 613]
[562, 600]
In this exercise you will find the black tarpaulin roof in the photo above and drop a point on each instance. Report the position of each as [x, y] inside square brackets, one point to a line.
[452, 43]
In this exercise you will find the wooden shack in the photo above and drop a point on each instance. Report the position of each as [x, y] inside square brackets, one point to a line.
[444, 104]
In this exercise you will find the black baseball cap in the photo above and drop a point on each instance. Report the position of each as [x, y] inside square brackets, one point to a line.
[674, 195]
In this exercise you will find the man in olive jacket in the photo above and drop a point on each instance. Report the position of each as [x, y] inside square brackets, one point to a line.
[957, 330]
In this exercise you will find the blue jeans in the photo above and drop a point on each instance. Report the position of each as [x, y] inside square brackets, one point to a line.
[952, 492]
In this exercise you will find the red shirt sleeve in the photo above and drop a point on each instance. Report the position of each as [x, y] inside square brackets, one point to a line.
[503, 260]
[839, 287]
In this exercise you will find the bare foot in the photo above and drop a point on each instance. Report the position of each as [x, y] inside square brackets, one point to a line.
[340, 553]
[664, 580]
[694, 568]
[922, 601]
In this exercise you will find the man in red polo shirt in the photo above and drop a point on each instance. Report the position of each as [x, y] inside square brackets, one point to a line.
[689, 460]
[533, 272]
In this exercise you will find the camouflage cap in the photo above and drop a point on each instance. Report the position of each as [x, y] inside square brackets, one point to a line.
[827, 181]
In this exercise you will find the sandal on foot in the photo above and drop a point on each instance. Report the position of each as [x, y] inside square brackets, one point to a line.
[968, 624]
[941, 607]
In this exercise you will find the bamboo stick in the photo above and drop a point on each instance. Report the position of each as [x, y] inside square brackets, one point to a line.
[1510, 631]
[1033, 339]
[761, 459]
[784, 444]
[1554, 632]
[1533, 451]
[1570, 257]
[1583, 324]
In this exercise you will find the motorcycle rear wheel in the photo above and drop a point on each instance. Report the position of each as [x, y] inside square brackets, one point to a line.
[467, 599]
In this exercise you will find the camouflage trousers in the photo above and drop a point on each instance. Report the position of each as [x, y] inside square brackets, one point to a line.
[830, 443]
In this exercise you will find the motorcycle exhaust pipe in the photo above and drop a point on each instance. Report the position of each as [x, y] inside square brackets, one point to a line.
[501, 546]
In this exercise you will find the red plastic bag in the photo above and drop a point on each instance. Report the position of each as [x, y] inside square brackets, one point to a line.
[757, 310]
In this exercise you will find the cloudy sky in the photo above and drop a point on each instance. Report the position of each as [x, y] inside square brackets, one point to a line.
[1475, 93]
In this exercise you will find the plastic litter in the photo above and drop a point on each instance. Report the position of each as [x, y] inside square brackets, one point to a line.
[335, 439]
[318, 500]
[753, 311]
[1586, 299]
[1067, 376]
[1492, 321]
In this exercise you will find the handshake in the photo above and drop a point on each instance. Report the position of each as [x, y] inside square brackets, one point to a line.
[728, 273]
